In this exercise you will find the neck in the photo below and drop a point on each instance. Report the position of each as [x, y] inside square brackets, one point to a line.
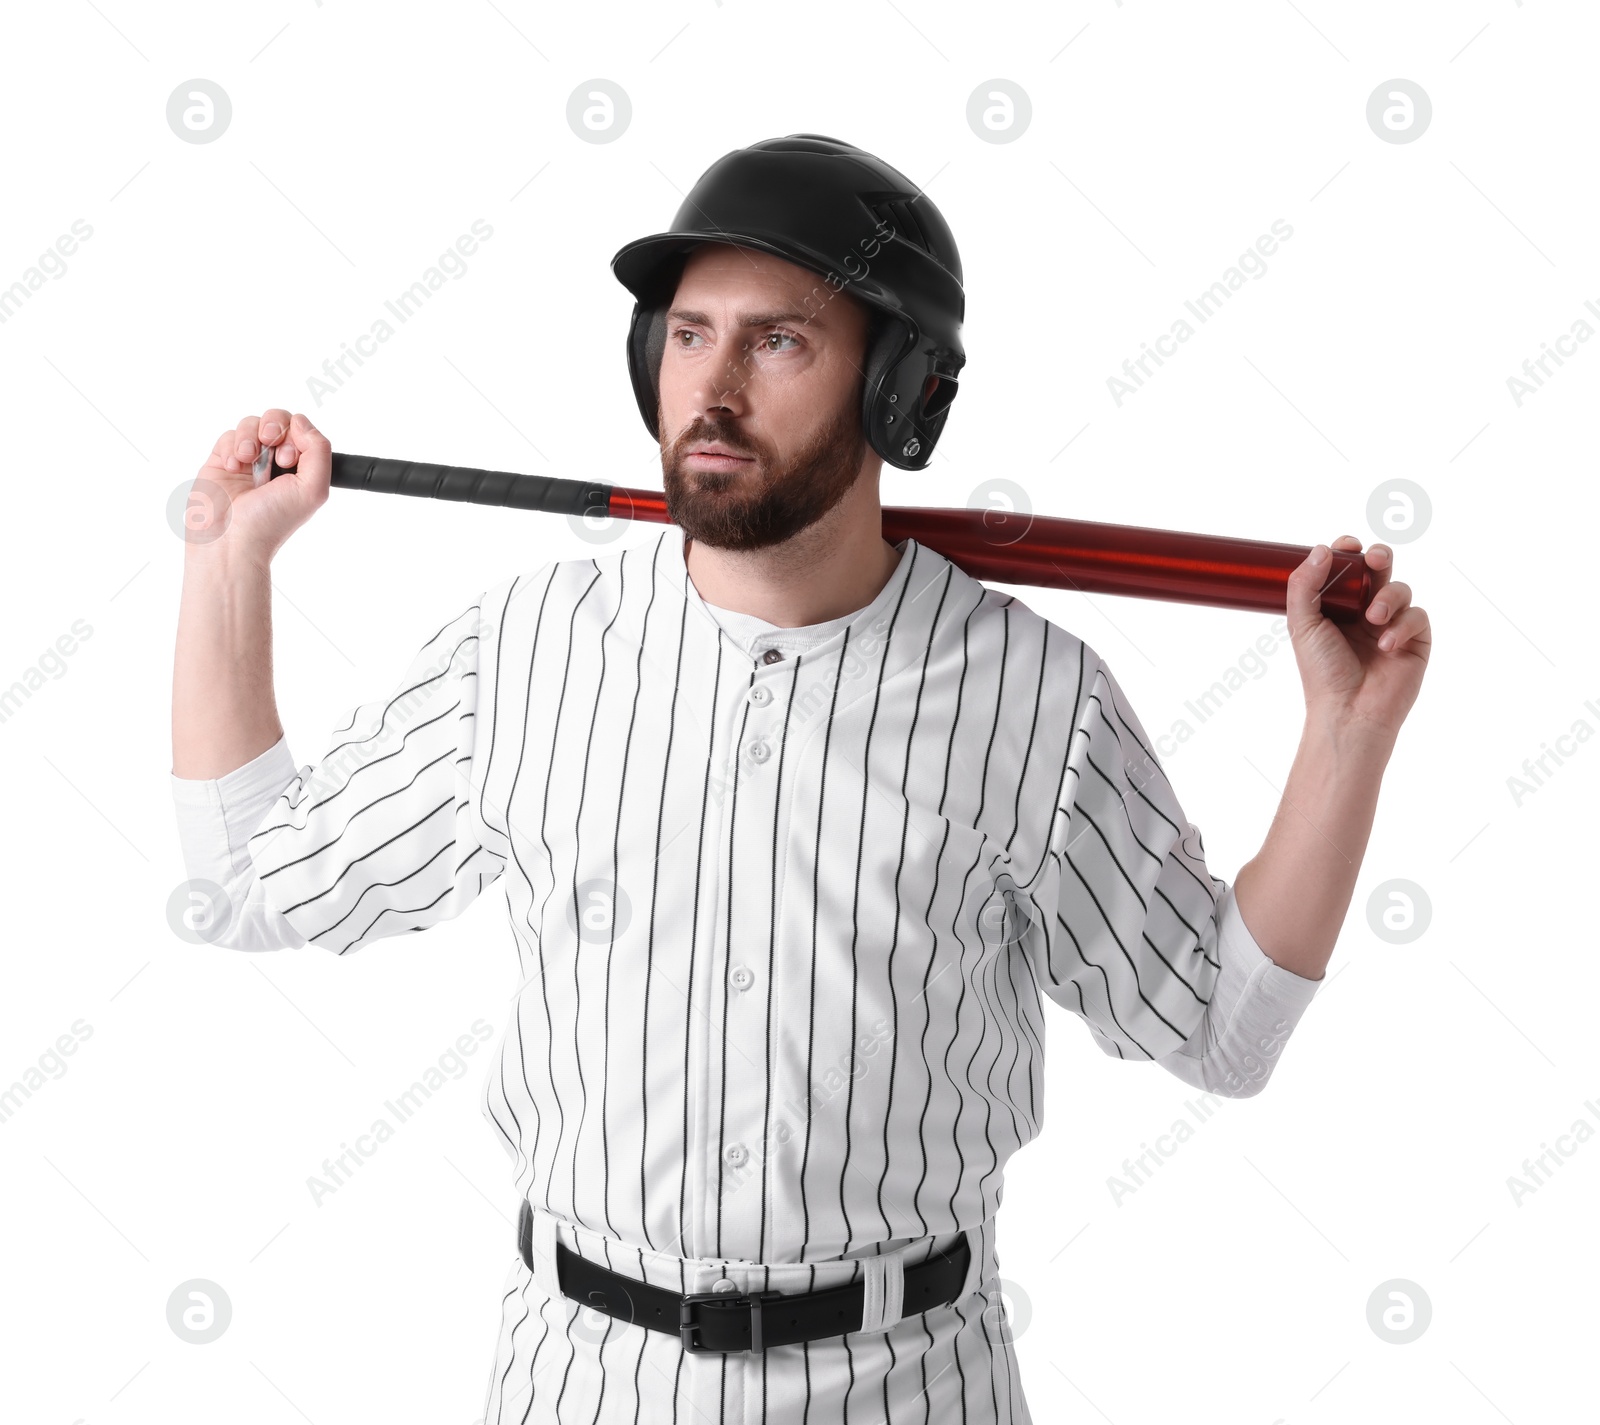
[829, 569]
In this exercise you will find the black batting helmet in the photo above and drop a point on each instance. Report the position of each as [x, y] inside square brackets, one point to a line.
[867, 229]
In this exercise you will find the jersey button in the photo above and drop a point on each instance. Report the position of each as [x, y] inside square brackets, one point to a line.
[760, 750]
[741, 977]
[735, 1153]
[761, 695]
[772, 655]
[724, 1284]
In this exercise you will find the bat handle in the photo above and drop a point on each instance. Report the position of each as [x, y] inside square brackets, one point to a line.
[470, 486]
[459, 483]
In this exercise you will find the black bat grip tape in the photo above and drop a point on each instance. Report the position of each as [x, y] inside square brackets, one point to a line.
[469, 486]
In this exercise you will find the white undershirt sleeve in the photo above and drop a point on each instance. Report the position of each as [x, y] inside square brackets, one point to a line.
[215, 819]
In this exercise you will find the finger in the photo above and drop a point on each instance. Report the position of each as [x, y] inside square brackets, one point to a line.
[1303, 593]
[1410, 628]
[1348, 544]
[245, 446]
[1389, 603]
[1380, 560]
[221, 457]
[274, 425]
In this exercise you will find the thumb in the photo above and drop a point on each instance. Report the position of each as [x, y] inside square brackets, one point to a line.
[1303, 595]
[314, 461]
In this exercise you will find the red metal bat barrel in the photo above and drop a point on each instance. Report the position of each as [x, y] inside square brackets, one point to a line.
[1004, 547]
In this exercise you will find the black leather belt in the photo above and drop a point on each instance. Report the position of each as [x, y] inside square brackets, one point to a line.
[709, 1321]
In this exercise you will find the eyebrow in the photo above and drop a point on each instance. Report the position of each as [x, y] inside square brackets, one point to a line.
[748, 319]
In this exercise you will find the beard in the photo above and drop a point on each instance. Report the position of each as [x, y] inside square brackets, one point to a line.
[771, 499]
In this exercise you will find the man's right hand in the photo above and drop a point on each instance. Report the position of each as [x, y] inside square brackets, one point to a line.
[262, 514]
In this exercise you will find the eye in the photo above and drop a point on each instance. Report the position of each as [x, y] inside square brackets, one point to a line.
[782, 336]
[684, 331]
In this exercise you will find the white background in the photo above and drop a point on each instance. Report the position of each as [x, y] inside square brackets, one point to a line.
[1165, 139]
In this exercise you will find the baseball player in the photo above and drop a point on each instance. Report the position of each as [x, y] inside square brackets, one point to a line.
[799, 830]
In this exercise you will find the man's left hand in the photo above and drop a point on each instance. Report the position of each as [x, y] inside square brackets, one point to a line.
[1359, 678]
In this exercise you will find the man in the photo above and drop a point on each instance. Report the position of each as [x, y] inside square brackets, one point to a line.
[799, 828]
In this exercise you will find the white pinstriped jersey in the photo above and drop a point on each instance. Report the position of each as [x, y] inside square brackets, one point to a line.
[785, 924]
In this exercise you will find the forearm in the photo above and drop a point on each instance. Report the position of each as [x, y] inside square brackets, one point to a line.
[224, 712]
[1294, 894]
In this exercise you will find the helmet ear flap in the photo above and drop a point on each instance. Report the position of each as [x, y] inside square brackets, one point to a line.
[647, 340]
[888, 341]
[901, 414]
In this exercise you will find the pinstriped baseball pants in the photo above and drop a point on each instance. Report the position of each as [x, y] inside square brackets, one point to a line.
[557, 1360]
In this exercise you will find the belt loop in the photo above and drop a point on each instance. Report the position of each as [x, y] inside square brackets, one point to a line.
[973, 1280]
[884, 1287]
[540, 1256]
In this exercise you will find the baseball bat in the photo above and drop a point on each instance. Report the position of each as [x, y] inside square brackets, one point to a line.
[1001, 546]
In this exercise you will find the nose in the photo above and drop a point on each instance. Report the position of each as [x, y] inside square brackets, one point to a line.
[725, 392]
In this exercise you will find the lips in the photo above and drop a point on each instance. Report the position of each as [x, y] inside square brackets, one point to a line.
[716, 460]
[717, 448]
